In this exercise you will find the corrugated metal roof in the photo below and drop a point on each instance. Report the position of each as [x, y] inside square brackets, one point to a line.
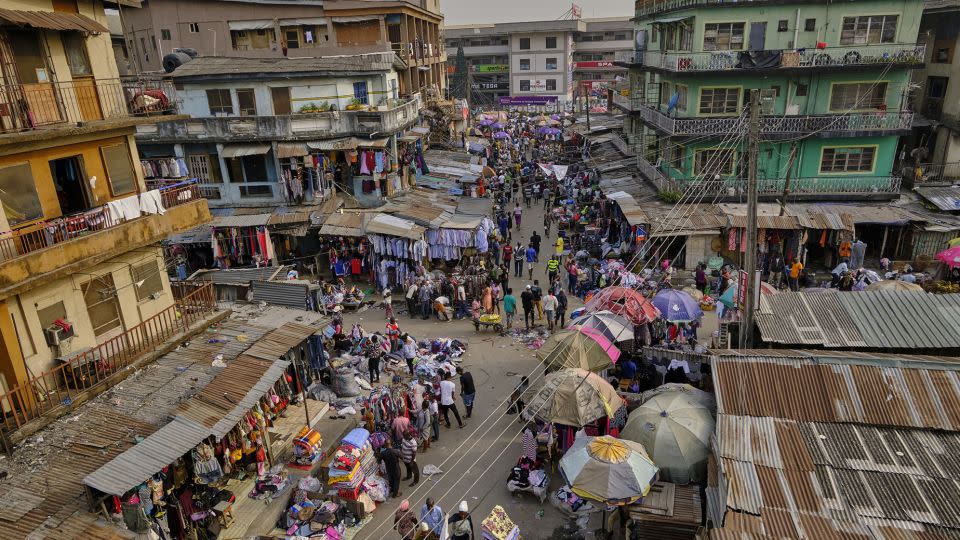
[946, 198]
[345, 143]
[767, 222]
[50, 20]
[238, 276]
[289, 150]
[345, 224]
[251, 220]
[394, 226]
[810, 447]
[216, 67]
[280, 293]
[880, 319]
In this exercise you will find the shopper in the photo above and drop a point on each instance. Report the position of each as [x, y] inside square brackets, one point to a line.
[447, 403]
[391, 463]
[526, 299]
[468, 392]
[510, 307]
[461, 524]
[408, 453]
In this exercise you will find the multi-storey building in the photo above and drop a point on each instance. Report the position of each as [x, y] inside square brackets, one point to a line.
[261, 132]
[83, 283]
[596, 50]
[938, 97]
[411, 28]
[487, 51]
[834, 81]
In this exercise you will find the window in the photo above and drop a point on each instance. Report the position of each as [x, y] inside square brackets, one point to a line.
[240, 33]
[621, 37]
[714, 161]
[868, 29]
[937, 87]
[723, 36]
[246, 102]
[18, 193]
[524, 43]
[782, 25]
[293, 39]
[76, 52]
[146, 280]
[219, 102]
[847, 159]
[673, 154]
[524, 64]
[100, 296]
[524, 85]
[153, 42]
[551, 43]
[360, 91]
[665, 93]
[165, 34]
[205, 168]
[719, 100]
[551, 85]
[852, 96]
[681, 97]
[941, 55]
[551, 64]
[194, 28]
[810, 25]
[120, 175]
[801, 90]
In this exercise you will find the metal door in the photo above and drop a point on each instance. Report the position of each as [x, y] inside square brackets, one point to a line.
[758, 36]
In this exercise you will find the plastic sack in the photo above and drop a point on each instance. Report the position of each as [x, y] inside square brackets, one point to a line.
[345, 384]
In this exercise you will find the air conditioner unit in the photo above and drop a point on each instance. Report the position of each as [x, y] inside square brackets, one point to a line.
[54, 334]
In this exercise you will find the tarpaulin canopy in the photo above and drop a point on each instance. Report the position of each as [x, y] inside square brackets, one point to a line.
[240, 150]
[573, 397]
[289, 150]
[675, 429]
[626, 302]
[345, 143]
[394, 226]
[52, 20]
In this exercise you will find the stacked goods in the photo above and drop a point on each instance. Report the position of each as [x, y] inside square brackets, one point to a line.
[499, 526]
[351, 464]
[307, 446]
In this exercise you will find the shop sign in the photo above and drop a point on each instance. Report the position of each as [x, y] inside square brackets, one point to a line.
[491, 68]
[490, 86]
[527, 100]
[593, 65]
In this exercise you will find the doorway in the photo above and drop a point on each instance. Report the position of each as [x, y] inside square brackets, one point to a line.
[281, 100]
[69, 180]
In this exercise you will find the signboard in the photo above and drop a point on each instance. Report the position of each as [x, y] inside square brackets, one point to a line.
[527, 100]
[490, 68]
[490, 86]
[538, 85]
[593, 65]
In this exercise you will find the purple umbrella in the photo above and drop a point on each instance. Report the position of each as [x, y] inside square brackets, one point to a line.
[677, 306]
[555, 117]
[486, 122]
[549, 131]
[496, 125]
[501, 135]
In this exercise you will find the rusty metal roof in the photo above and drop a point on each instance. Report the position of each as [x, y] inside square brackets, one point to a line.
[822, 447]
[946, 198]
[49, 20]
[866, 319]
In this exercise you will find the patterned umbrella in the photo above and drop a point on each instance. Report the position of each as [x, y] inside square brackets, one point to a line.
[616, 328]
[573, 397]
[677, 306]
[584, 348]
[496, 125]
[628, 303]
[501, 135]
[609, 470]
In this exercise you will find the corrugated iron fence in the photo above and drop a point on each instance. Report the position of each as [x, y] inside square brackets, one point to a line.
[89, 369]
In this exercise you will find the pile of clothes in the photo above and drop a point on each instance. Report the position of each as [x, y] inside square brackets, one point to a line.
[351, 463]
[272, 485]
[529, 475]
[499, 526]
[311, 515]
[570, 503]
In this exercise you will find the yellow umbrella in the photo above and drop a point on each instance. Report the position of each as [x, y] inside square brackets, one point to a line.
[954, 242]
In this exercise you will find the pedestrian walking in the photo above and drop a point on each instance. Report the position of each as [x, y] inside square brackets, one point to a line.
[510, 307]
[516, 398]
[435, 418]
[388, 302]
[531, 259]
[561, 307]
[461, 524]
[408, 453]
[391, 464]
[517, 214]
[526, 299]
[447, 403]
[409, 352]
[550, 309]
[537, 298]
[432, 516]
[468, 392]
[393, 334]
[518, 257]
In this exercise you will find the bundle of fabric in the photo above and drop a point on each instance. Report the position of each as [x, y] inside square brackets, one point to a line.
[499, 526]
[529, 475]
[568, 502]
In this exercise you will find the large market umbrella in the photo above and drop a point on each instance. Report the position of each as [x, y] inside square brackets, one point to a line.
[694, 293]
[501, 135]
[675, 429]
[626, 302]
[496, 125]
[486, 122]
[950, 257]
[954, 242]
[573, 397]
[609, 470]
[584, 348]
[894, 285]
[704, 398]
[614, 327]
[677, 306]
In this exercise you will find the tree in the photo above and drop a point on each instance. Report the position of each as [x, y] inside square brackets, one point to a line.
[458, 86]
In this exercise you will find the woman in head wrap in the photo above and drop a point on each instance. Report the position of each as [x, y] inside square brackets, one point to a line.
[405, 521]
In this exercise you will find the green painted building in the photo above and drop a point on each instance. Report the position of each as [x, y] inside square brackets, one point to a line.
[834, 80]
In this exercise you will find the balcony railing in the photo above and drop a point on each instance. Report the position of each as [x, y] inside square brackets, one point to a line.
[862, 55]
[37, 236]
[648, 7]
[773, 188]
[628, 58]
[865, 122]
[92, 369]
[414, 53]
[938, 173]
[50, 104]
[301, 126]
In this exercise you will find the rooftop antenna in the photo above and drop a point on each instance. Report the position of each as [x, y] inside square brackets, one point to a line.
[572, 14]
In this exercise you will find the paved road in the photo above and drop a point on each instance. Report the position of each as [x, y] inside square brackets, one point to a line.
[476, 459]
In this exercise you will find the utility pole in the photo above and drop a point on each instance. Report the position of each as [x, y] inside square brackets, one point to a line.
[587, 96]
[786, 182]
[750, 265]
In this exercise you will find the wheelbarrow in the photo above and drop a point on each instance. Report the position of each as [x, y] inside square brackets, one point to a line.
[487, 321]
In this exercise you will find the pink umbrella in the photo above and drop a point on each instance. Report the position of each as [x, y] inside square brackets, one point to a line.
[950, 257]
[608, 347]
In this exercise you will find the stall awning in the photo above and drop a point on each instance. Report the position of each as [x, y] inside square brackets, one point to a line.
[409, 138]
[289, 150]
[420, 129]
[394, 226]
[345, 224]
[49, 20]
[240, 150]
[346, 143]
[261, 24]
[356, 18]
[304, 21]
[250, 220]
[666, 20]
[372, 143]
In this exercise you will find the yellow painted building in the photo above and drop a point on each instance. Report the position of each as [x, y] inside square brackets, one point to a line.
[69, 169]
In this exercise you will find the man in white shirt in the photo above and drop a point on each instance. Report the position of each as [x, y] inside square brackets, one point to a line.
[412, 299]
[447, 403]
[550, 308]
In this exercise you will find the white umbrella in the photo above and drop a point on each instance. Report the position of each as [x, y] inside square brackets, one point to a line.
[609, 470]
[611, 325]
[675, 429]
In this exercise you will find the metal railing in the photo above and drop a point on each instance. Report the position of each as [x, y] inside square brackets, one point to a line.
[662, 182]
[859, 55]
[628, 57]
[90, 369]
[937, 173]
[821, 185]
[414, 52]
[879, 121]
[41, 235]
[42, 105]
[647, 7]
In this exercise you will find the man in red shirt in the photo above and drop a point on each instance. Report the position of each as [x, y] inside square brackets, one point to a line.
[507, 254]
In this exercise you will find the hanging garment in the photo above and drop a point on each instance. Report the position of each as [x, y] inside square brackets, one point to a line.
[152, 203]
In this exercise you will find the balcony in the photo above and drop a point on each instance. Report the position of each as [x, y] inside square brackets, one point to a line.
[937, 174]
[628, 58]
[420, 54]
[799, 59]
[304, 126]
[643, 8]
[824, 125]
[53, 248]
[89, 372]
[32, 107]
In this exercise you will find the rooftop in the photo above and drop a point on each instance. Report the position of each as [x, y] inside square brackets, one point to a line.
[219, 67]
